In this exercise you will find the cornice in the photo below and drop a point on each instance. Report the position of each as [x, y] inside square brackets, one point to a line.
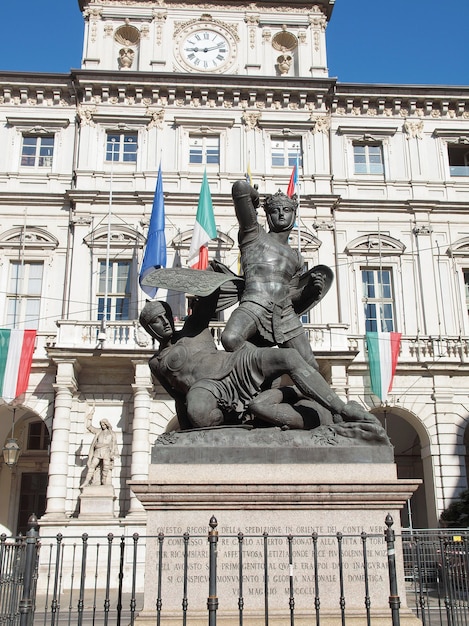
[90, 88]
[326, 6]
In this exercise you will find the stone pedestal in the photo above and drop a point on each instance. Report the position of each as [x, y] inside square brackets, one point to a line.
[97, 501]
[281, 484]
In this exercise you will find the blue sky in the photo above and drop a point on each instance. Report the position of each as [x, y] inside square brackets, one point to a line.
[369, 41]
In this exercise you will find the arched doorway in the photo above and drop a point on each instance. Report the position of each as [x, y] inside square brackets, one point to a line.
[408, 444]
[23, 487]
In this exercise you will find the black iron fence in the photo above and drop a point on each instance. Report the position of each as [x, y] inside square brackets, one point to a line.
[436, 567]
[101, 580]
[18, 576]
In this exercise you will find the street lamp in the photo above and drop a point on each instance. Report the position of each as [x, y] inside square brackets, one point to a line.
[11, 449]
[11, 452]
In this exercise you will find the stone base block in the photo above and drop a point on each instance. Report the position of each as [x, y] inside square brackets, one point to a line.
[267, 503]
[97, 501]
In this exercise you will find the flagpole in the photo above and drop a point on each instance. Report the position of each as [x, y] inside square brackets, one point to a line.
[380, 265]
[298, 226]
[106, 309]
[20, 269]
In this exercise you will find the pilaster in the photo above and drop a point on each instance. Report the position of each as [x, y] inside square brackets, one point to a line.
[140, 430]
[65, 387]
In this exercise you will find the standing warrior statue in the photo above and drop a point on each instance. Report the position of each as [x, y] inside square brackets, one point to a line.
[267, 314]
[102, 452]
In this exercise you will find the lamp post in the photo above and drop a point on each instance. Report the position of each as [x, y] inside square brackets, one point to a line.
[11, 450]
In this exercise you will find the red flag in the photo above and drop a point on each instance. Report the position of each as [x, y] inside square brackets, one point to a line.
[293, 184]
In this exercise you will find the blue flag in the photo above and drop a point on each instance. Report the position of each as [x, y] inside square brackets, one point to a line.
[155, 251]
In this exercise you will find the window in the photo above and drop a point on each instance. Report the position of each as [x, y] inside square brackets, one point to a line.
[458, 156]
[368, 158]
[121, 147]
[37, 151]
[24, 293]
[378, 299]
[204, 150]
[38, 436]
[118, 292]
[286, 152]
[32, 498]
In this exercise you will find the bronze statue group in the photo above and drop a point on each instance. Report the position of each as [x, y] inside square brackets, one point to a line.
[264, 339]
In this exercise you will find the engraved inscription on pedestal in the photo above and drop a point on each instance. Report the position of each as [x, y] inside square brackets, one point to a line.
[288, 549]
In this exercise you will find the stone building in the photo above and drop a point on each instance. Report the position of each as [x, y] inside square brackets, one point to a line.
[384, 181]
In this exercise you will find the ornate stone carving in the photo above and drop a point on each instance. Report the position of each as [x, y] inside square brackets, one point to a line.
[86, 115]
[251, 119]
[206, 17]
[157, 118]
[284, 63]
[93, 13]
[414, 129]
[32, 238]
[108, 29]
[126, 58]
[321, 123]
[318, 22]
[127, 35]
[160, 18]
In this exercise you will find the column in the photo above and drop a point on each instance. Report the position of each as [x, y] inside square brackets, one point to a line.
[140, 430]
[65, 387]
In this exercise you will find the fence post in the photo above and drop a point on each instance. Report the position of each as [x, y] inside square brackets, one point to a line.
[212, 602]
[26, 602]
[394, 600]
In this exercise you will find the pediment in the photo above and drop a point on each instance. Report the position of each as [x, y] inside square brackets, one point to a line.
[30, 238]
[182, 241]
[375, 244]
[459, 248]
[122, 237]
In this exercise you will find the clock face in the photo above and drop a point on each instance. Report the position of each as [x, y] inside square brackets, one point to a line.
[206, 49]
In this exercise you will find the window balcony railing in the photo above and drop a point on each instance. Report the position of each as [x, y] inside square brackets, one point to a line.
[333, 339]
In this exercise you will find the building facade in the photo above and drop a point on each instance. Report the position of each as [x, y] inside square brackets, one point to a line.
[224, 88]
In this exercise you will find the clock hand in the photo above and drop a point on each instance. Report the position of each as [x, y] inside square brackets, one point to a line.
[219, 45]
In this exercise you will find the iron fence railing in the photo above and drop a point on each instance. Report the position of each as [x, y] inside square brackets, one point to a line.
[101, 580]
[436, 568]
[18, 577]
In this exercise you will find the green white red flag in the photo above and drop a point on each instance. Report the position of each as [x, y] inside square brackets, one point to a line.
[204, 229]
[16, 355]
[383, 352]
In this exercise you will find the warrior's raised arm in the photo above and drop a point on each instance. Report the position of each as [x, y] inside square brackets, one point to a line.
[246, 202]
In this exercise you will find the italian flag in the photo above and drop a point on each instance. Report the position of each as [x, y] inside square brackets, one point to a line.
[16, 355]
[204, 229]
[383, 351]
